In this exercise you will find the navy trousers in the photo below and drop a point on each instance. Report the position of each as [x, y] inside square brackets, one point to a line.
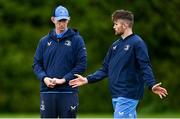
[62, 105]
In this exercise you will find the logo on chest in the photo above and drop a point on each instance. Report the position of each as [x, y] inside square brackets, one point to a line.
[68, 43]
[114, 47]
[49, 43]
[126, 47]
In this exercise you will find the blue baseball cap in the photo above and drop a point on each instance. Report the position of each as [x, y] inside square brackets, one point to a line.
[61, 13]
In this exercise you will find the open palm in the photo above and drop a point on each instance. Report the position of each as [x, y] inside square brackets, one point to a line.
[79, 81]
[157, 89]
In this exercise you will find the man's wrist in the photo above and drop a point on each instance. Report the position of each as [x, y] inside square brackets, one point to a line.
[64, 80]
[45, 78]
[87, 79]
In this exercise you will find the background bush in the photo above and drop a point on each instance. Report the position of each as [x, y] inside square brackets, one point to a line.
[24, 22]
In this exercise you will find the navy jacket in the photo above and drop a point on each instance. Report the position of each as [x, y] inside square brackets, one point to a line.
[128, 67]
[60, 58]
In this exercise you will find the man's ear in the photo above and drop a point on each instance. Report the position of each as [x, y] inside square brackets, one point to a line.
[125, 25]
[53, 19]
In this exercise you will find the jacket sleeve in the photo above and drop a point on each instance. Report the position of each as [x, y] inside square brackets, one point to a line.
[80, 59]
[38, 62]
[102, 72]
[144, 63]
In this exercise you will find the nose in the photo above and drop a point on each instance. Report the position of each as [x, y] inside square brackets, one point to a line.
[114, 27]
[60, 24]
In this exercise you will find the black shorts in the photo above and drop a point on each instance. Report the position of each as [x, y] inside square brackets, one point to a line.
[62, 105]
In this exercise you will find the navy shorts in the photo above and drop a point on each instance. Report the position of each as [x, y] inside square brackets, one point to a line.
[62, 105]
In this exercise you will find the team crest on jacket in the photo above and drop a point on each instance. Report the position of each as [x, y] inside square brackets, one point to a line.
[126, 47]
[68, 43]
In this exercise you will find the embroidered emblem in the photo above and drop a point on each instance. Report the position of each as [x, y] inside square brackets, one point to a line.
[68, 42]
[114, 48]
[121, 113]
[73, 107]
[126, 47]
[42, 107]
[49, 43]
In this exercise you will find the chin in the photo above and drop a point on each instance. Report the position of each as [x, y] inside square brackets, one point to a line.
[118, 34]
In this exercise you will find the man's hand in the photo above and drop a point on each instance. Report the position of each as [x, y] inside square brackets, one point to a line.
[79, 81]
[157, 89]
[57, 81]
[49, 82]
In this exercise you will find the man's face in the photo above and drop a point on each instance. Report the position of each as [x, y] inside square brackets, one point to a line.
[60, 25]
[119, 27]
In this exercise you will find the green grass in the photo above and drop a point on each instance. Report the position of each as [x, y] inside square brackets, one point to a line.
[95, 116]
[18, 115]
[162, 115]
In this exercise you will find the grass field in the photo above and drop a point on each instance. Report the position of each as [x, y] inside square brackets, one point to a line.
[165, 115]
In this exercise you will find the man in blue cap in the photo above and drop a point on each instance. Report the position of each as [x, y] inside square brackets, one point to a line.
[59, 55]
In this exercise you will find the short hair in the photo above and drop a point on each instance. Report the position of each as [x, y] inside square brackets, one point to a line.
[124, 15]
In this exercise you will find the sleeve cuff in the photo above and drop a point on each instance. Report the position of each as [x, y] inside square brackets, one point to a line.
[151, 85]
[41, 76]
[68, 78]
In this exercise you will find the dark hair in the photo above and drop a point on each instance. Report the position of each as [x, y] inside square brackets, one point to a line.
[124, 15]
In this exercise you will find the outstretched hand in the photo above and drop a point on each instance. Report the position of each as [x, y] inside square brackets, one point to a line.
[157, 89]
[79, 81]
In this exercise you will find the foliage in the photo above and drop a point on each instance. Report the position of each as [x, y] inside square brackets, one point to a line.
[24, 22]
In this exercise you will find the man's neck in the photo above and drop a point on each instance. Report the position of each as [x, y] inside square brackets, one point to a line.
[127, 33]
